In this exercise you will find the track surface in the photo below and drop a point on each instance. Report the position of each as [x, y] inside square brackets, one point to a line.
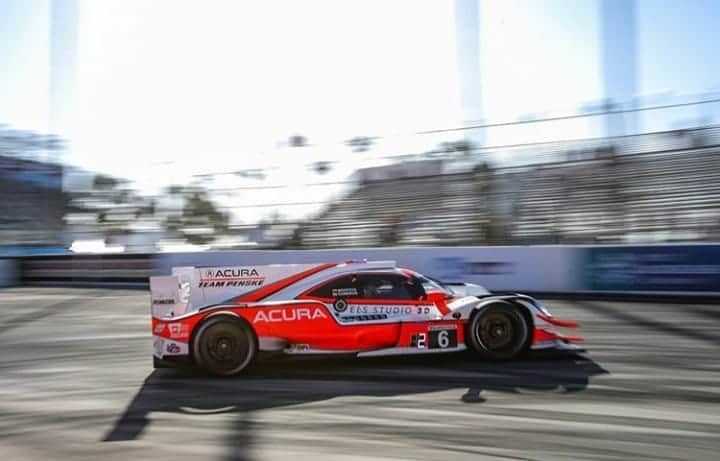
[76, 383]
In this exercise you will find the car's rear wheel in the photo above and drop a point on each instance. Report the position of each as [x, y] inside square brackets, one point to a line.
[500, 331]
[224, 346]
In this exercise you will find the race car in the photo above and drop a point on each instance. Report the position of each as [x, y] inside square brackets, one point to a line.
[221, 318]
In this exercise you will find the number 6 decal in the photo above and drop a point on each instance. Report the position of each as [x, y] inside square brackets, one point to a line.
[443, 339]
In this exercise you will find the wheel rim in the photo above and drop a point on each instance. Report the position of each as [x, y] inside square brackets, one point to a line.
[500, 332]
[225, 348]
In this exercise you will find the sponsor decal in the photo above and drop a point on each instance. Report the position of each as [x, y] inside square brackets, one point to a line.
[370, 312]
[337, 292]
[653, 268]
[164, 301]
[231, 273]
[442, 327]
[295, 348]
[231, 277]
[419, 340]
[368, 309]
[363, 318]
[158, 346]
[172, 348]
[179, 330]
[159, 328]
[459, 268]
[230, 283]
[442, 337]
[340, 305]
[289, 314]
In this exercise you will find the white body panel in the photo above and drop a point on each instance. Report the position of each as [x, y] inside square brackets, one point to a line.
[190, 288]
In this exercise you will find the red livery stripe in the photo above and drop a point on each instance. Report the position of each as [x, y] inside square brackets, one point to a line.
[557, 322]
[267, 290]
[541, 335]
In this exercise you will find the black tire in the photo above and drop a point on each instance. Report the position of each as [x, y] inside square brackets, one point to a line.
[224, 346]
[499, 331]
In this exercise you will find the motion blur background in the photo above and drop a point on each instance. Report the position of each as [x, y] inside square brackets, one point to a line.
[540, 146]
[135, 126]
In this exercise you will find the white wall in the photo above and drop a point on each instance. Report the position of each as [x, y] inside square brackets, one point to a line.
[537, 268]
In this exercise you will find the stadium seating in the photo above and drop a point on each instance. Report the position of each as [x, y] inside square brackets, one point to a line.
[643, 189]
[30, 215]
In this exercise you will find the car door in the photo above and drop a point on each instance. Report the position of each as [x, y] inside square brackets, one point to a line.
[368, 309]
[389, 296]
[348, 330]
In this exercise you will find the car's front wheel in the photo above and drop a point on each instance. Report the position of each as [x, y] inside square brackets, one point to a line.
[499, 331]
[224, 346]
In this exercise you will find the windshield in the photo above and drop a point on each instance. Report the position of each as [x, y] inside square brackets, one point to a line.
[431, 285]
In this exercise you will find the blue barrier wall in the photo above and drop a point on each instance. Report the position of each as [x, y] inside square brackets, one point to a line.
[653, 268]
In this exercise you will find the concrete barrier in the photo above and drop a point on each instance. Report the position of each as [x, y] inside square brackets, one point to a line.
[535, 269]
[650, 270]
[9, 272]
[655, 270]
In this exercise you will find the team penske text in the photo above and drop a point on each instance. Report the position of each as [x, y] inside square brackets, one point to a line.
[230, 283]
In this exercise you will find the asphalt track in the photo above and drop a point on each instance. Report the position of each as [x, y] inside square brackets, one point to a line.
[76, 383]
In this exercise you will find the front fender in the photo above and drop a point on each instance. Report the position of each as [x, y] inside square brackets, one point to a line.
[464, 308]
[541, 320]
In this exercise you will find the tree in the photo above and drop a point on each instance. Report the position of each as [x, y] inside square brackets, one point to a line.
[199, 221]
[104, 183]
[463, 146]
[113, 204]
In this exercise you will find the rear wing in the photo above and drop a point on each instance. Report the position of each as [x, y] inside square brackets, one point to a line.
[190, 288]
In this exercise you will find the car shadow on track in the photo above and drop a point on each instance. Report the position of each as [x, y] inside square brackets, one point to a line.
[295, 380]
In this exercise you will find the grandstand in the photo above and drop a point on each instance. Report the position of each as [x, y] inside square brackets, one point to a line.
[33, 203]
[429, 208]
[645, 188]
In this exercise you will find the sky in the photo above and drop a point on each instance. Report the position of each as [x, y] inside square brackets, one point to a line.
[24, 72]
[224, 82]
[166, 88]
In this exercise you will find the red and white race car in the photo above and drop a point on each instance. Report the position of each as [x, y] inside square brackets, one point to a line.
[220, 318]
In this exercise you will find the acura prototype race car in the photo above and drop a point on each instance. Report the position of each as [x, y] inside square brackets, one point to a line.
[220, 318]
